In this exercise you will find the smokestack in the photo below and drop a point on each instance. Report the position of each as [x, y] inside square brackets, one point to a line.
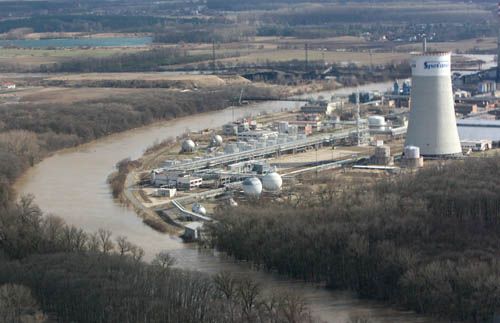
[432, 125]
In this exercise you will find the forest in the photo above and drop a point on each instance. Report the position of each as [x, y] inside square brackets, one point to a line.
[50, 271]
[426, 241]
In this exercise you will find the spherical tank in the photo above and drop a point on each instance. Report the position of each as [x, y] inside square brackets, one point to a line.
[272, 182]
[198, 208]
[188, 146]
[216, 141]
[252, 186]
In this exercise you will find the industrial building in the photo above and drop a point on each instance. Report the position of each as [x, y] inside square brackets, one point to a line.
[432, 124]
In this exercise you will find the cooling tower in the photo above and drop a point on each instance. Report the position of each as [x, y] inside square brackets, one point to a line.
[432, 125]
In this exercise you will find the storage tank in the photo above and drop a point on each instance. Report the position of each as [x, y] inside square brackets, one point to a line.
[376, 122]
[188, 146]
[412, 152]
[216, 141]
[432, 125]
[199, 209]
[272, 182]
[252, 187]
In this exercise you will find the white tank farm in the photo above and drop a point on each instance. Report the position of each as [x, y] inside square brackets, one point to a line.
[199, 209]
[188, 146]
[252, 187]
[272, 182]
[432, 125]
[412, 152]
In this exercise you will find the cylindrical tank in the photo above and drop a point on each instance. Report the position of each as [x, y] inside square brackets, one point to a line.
[432, 126]
[252, 187]
[412, 152]
[376, 121]
[188, 146]
[199, 209]
[272, 182]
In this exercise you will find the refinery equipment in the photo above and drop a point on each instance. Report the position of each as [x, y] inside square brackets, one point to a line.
[188, 146]
[252, 187]
[272, 182]
[432, 125]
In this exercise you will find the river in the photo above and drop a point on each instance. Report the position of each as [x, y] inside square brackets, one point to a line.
[72, 185]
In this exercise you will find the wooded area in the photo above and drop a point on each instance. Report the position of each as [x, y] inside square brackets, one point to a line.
[427, 241]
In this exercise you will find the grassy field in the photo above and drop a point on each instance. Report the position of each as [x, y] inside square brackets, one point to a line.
[23, 56]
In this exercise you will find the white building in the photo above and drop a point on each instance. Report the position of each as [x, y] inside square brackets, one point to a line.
[189, 182]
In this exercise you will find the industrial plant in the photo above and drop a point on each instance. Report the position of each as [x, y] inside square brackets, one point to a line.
[415, 122]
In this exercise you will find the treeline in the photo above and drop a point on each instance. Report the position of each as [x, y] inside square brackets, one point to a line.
[81, 277]
[150, 60]
[427, 241]
[208, 32]
[84, 23]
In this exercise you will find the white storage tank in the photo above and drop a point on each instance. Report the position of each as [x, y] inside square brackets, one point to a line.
[272, 182]
[188, 146]
[412, 152]
[376, 122]
[216, 141]
[252, 187]
[199, 209]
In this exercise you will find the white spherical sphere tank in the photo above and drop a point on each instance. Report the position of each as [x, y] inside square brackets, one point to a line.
[252, 186]
[198, 208]
[188, 146]
[412, 152]
[272, 182]
[217, 141]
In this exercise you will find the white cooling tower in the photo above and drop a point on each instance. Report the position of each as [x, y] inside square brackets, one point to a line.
[432, 125]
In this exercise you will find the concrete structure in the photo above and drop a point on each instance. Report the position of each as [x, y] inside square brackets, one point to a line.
[383, 156]
[165, 192]
[192, 231]
[189, 182]
[257, 134]
[465, 108]
[320, 107]
[477, 145]
[432, 126]
[230, 129]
